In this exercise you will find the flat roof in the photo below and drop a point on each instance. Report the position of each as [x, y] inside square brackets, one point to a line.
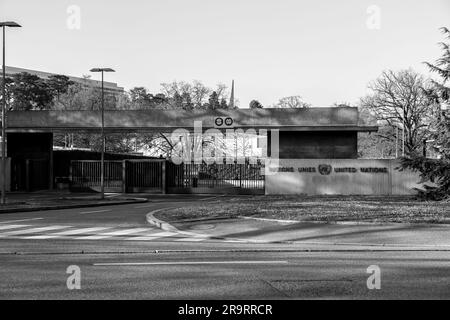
[45, 75]
[156, 120]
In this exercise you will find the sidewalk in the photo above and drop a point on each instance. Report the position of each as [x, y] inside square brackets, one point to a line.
[53, 200]
[386, 235]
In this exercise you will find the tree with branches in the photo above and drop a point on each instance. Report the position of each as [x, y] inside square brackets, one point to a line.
[255, 104]
[398, 100]
[437, 170]
[292, 102]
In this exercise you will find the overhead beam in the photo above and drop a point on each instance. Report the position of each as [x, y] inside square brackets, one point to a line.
[154, 120]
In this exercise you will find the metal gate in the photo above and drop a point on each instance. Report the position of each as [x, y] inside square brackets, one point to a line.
[159, 176]
[85, 175]
[215, 178]
[120, 176]
[145, 176]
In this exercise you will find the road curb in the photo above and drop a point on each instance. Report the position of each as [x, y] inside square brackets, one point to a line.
[61, 207]
[351, 223]
[151, 219]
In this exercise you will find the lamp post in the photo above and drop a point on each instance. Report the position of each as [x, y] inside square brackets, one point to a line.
[102, 169]
[3, 25]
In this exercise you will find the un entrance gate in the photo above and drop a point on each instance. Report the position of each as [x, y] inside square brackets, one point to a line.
[124, 176]
[161, 176]
[215, 178]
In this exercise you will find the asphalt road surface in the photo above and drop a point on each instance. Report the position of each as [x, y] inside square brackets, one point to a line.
[111, 252]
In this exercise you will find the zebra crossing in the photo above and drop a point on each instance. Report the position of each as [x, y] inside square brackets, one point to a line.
[64, 232]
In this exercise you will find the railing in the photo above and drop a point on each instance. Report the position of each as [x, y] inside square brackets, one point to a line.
[153, 175]
[205, 177]
[145, 175]
[85, 175]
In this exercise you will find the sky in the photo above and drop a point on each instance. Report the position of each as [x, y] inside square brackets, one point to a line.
[326, 51]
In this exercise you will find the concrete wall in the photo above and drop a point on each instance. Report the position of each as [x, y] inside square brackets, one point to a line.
[318, 145]
[339, 176]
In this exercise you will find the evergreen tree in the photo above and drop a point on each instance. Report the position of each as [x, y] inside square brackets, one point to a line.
[255, 104]
[437, 170]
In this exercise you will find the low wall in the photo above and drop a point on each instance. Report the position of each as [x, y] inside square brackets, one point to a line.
[340, 176]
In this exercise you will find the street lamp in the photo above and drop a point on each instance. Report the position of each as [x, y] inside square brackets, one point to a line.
[102, 169]
[3, 25]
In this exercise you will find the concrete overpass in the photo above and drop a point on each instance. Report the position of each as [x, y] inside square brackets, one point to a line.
[307, 119]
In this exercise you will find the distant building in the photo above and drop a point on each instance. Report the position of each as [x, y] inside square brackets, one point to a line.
[109, 86]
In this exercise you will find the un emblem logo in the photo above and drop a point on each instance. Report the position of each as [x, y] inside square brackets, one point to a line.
[219, 122]
[324, 169]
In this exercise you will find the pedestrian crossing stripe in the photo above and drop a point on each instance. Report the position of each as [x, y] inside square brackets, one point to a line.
[67, 233]
[152, 236]
[13, 226]
[30, 232]
[114, 233]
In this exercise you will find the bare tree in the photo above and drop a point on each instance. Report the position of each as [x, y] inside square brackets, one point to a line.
[292, 102]
[398, 100]
[200, 93]
[222, 91]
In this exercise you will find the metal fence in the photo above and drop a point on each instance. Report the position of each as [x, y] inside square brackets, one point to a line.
[161, 176]
[145, 175]
[85, 175]
[215, 178]
[120, 175]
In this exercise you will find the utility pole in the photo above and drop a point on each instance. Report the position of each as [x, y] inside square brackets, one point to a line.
[3, 25]
[102, 161]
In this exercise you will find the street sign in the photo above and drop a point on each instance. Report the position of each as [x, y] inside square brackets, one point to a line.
[223, 122]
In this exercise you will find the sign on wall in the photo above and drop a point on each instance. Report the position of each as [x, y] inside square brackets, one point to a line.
[340, 176]
[326, 169]
[223, 122]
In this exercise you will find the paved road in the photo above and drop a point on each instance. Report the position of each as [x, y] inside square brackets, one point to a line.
[226, 275]
[253, 229]
[129, 259]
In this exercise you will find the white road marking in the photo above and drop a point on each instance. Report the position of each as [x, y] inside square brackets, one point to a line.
[114, 233]
[68, 233]
[14, 226]
[188, 263]
[193, 239]
[92, 238]
[41, 237]
[33, 230]
[11, 221]
[151, 236]
[98, 211]
[271, 220]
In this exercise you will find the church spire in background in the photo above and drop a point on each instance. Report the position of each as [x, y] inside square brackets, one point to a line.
[231, 105]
